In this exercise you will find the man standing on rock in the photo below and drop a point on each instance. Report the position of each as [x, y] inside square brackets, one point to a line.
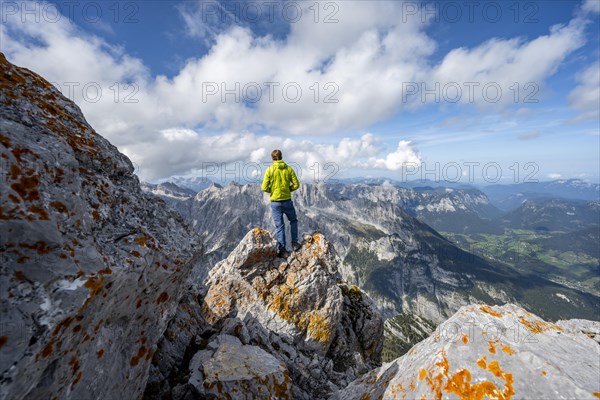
[280, 181]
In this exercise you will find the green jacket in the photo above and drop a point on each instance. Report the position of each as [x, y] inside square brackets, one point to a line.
[280, 181]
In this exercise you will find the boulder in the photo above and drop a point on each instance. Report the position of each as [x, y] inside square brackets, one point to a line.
[499, 352]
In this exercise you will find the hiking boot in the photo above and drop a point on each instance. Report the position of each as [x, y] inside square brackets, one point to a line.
[296, 246]
[283, 254]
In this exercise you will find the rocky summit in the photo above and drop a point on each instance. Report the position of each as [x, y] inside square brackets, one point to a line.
[499, 352]
[265, 327]
[100, 296]
[92, 269]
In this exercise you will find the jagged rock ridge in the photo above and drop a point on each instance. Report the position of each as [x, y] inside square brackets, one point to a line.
[92, 269]
[300, 328]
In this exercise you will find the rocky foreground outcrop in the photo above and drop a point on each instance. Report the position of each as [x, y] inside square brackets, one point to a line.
[269, 328]
[92, 269]
[491, 352]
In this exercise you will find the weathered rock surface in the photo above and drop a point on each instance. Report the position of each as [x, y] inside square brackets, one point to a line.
[239, 371]
[582, 327]
[298, 310]
[499, 352]
[91, 268]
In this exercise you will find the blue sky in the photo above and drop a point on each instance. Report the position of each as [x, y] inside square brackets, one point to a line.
[418, 89]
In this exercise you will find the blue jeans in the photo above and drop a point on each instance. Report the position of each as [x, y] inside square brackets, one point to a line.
[279, 208]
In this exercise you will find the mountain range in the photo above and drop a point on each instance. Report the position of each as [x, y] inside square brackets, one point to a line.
[508, 197]
[404, 264]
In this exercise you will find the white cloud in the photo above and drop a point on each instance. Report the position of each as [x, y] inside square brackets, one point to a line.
[179, 151]
[363, 62]
[554, 176]
[404, 155]
[591, 6]
[487, 74]
[585, 98]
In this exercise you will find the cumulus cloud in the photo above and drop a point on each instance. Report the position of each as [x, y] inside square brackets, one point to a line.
[585, 98]
[405, 154]
[180, 151]
[316, 80]
[503, 71]
[554, 175]
[591, 6]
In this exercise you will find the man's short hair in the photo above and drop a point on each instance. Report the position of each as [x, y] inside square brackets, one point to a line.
[276, 155]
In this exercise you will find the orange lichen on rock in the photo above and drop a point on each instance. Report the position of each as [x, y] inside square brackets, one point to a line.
[507, 350]
[64, 324]
[398, 389]
[22, 260]
[48, 349]
[74, 363]
[60, 207]
[284, 303]
[460, 384]
[491, 347]
[317, 326]
[105, 271]
[77, 378]
[27, 187]
[597, 394]
[482, 362]
[4, 141]
[422, 374]
[40, 247]
[41, 212]
[164, 296]
[259, 234]
[142, 241]
[538, 326]
[95, 284]
[465, 339]
[142, 351]
[489, 310]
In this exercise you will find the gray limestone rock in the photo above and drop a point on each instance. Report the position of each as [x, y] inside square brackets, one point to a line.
[495, 352]
[92, 269]
[297, 310]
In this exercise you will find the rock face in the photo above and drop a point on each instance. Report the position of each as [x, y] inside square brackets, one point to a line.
[402, 332]
[297, 330]
[168, 190]
[499, 352]
[91, 268]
